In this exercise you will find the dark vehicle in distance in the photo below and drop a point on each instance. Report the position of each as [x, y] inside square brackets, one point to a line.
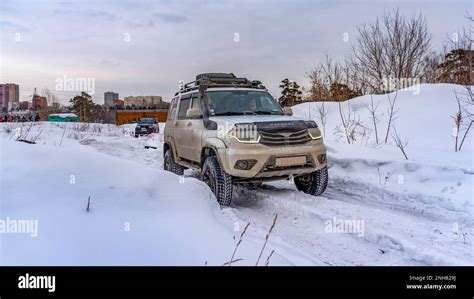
[146, 125]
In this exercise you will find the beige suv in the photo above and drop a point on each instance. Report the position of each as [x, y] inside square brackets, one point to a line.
[234, 132]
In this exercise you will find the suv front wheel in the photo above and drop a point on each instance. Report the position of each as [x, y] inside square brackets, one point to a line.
[314, 183]
[170, 165]
[218, 181]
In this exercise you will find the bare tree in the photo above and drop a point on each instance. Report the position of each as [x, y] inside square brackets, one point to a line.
[465, 101]
[323, 112]
[344, 122]
[391, 113]
[391, 46]
[332, 81]
[322, 77]
[465, 134]
[50, 96]
[431, 67]
[460, 40]
[373, 113]
[458, 118]
[398, 141]
[352, 127]
[455, 66]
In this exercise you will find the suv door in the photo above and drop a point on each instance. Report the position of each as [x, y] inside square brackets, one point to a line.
[169, 126]
[195, 127]
[180, 125]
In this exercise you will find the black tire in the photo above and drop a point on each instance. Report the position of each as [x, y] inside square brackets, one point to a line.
[314, 183]
[218, 181]
[136, 135]
[170, 165]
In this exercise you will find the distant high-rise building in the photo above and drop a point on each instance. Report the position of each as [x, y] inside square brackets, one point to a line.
[9, 96]
[145, 102]
[109, 98]
[38, 102]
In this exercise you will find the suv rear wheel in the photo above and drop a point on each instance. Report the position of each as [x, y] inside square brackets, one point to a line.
[170, 165]
[218, 181]
[314, 183]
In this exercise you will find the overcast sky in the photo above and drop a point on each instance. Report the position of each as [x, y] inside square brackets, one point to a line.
[146, 47]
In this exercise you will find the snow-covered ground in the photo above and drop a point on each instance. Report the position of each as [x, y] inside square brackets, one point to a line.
[379, 209]
[138, 214]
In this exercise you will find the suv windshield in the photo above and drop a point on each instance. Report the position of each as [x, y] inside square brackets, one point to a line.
[240, 102]
[147, 120]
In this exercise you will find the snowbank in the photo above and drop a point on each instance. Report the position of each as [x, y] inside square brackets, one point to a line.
[423, 118]
[139, 215]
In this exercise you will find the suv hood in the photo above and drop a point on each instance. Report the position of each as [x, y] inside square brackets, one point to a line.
[235, 119]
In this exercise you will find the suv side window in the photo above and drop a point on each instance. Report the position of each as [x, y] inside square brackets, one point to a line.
[183, 108]
[173, 106]
[196, 103]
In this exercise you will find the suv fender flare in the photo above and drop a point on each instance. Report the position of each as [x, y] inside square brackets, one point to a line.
[214, 144]
[169, 144]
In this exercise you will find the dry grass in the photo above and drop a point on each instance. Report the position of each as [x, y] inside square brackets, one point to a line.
[237, 245]
[234, 261]
[267, 261]
[8, 129]
[268, 258]
[401, 144]
[266, 240]
[22, 134]
[88, 204]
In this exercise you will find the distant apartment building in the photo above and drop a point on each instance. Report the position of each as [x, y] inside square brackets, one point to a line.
[9, 96]
[109, 98]
[38, 102]
[25, 105]
[119, 104]
[145, 102]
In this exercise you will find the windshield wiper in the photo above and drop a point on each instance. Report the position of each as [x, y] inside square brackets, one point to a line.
[228, 113]
[266, 112]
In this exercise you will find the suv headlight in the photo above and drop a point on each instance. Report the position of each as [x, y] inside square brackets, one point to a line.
[245, 133]
[313, 130]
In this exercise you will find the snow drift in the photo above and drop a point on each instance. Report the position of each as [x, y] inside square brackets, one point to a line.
[138, 215]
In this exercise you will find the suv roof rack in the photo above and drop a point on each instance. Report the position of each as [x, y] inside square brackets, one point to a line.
[210, 80]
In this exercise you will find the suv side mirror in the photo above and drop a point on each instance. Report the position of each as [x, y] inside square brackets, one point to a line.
[288, 111]
[194, 113]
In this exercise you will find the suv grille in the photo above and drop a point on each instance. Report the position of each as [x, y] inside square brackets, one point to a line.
[285, 138]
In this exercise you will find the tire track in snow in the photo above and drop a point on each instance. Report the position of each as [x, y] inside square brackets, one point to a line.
[391, 236]
[400, 229]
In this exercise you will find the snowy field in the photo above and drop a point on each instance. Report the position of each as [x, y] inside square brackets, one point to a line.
[379, 208]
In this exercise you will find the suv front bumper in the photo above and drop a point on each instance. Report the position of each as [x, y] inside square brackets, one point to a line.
[272, 162]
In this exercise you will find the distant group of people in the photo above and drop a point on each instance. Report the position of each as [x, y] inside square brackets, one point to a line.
[18, 118]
